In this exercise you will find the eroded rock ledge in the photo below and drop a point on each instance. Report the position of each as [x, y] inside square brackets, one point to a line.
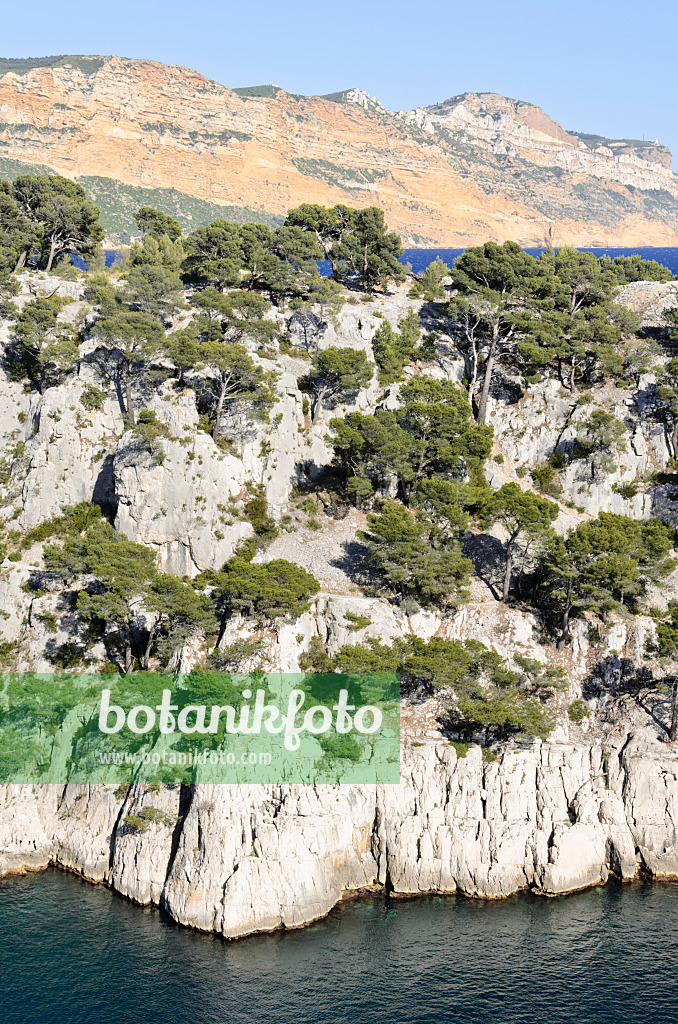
[236, 859]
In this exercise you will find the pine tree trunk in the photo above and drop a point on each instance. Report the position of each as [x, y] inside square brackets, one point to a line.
[21, 262]
[219, 414]
[52, 251]
[318, 407]
[128, 397]
[510, 544]
[674, 438]
[487, 380]
[128, 658]
[673, 728]
[147, 652]
[565, 625]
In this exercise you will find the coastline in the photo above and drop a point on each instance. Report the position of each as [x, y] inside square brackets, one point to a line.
[257, 859]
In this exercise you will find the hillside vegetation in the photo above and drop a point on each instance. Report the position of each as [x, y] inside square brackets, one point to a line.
[468, 477]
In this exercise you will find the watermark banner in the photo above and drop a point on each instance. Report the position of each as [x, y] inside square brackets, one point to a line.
[206, 727]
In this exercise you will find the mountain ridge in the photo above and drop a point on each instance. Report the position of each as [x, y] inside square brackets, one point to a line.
[475, 166]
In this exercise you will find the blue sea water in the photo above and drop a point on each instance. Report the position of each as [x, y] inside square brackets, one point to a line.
[71, 953]
[668, 257]
[419, 259]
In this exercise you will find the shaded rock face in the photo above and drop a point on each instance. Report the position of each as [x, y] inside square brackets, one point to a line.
[146, 124]
[177, 503]
[236, 859]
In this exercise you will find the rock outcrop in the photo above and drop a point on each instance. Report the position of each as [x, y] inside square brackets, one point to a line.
[475, 167]
[236, 859]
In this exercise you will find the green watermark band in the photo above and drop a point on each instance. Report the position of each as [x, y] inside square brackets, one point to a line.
[204, 727]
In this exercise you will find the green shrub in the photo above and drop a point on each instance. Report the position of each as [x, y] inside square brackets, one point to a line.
[545, 479]
[357, 622]
[256, 511]
[316, 658]
[92, 397]
[577, 712]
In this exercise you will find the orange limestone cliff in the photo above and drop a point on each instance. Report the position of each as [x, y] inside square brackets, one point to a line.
[477, 166]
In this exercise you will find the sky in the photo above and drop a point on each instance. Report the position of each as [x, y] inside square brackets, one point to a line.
[596, 66]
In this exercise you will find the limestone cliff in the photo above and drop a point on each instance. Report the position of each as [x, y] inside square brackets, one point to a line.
[236, 860]
[472, 168]
[600, 797]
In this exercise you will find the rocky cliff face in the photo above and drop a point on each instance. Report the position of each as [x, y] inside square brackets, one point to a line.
[600, 797]
[236, 860]
[472, 168]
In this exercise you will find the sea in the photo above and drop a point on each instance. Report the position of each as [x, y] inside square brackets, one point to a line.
[668, 256]
[419, 259]
[74, 953]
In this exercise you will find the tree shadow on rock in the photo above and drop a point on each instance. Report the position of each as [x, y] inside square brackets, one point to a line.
[353, 562]
[612, 679]
[489, 558]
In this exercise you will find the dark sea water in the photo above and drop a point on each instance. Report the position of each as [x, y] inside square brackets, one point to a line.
[668, 257]
[71, 953]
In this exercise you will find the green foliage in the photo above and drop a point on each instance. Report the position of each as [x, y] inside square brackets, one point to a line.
[577, 712]
[92, 397]
[461, 748]
[156, 223]
[627, 269]
[214, 254]
[43, 348]
[124, 572]
[540, 677]
[316, 658]
[526, 517]
[18, 235]
[100, 292]
[63, 219]
[406, 561]
[600, 437]
[354, 622]
[336, 373]
[183, 349]
[148, 816]
[270, 590]
[234, 378]
[426, 446]
[148, 434]
[234, 317]
[154, 289]
[430, 285]
[256, 511]
[182, 614]
[437, 415]
[546, 480]
[369, 251]
[665, 642]
[73, 521]
[496, 268]
[476, 685]
[603, 564]
[328, 225]
[132, 342]
[157, 251]
[394, 351]
[667, 398]
[239, 656]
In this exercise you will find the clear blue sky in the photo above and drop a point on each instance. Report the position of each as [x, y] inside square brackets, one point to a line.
[603, 66]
